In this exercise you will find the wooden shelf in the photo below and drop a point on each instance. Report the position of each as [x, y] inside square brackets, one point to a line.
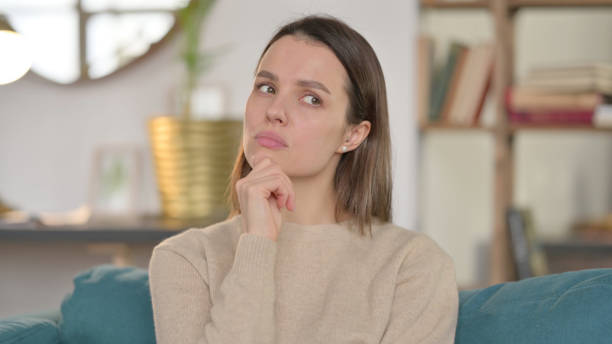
[455, 4]
[514, 4]
[575, 253]
[440, 126]
[515, 128]
[145, 229]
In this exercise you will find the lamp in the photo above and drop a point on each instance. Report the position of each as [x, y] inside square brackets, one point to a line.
[16, 56]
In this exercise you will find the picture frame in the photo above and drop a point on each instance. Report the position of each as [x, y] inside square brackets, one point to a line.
[116, 178]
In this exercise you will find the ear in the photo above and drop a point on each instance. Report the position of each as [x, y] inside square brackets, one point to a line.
[354, 136]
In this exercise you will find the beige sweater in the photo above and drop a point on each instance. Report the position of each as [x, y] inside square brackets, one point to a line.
[315, 284]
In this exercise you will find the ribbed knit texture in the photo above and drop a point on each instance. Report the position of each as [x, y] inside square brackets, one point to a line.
[315, 284]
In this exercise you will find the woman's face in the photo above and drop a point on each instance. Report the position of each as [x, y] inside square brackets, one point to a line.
[298, 94]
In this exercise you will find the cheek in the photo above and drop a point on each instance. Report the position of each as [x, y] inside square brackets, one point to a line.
[316, 138]
[313, 146]
[251, 114]
[249, 125]
[249, 108]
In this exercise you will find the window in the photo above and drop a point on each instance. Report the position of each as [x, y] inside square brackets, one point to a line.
[88, 39]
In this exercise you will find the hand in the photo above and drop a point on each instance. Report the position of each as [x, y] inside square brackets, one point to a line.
[262, 194]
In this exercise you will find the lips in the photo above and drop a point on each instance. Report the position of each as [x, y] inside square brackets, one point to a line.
[270, 139]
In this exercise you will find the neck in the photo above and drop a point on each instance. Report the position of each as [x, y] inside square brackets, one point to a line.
[313, 205]
[315, 199]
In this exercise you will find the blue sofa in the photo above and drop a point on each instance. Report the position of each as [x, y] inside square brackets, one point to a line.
[112, 305]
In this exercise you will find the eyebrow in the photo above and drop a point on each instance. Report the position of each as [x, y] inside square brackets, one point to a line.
[304, 83]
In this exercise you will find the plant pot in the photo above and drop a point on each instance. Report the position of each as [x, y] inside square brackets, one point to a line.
[193, 162]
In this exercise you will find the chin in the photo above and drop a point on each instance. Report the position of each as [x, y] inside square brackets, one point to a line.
[258, 155]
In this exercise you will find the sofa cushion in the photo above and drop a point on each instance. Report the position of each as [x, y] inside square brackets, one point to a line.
[108, 305]
[571, 307]
[28, 330]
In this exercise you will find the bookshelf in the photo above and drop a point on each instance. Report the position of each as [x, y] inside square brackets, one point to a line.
[443, 126]
[512, 4]
[502, 14]
[454, 4]
[518, 127]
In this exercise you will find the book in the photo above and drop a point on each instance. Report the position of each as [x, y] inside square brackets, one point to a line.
[593, 77]
[518, 239]
[596, 229]
[603, 116]
[453, 86]
[601, 69]
[529, 258]
[546, 115]
[522, 99]
[552, 117]
[425, 50]
[473, 85]
[442, 79]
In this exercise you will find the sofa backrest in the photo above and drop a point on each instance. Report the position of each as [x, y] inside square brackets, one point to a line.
[109, 304]
[567, 308]
[29, 329]
[113, 305]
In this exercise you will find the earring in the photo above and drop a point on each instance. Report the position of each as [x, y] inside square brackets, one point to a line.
[343, 148]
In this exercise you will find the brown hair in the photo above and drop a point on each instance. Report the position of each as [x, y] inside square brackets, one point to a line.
[363, 176]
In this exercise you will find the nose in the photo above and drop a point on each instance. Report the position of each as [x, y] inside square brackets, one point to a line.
[276, 111]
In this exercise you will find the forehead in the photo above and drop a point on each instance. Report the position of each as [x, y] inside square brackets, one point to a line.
[292, 58]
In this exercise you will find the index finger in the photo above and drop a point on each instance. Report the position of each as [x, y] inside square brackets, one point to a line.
[261, 163]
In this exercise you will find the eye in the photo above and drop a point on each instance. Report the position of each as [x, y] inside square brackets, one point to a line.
[265, 88]
[312, 100]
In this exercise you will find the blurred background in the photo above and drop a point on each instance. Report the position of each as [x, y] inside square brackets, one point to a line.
[123, 124]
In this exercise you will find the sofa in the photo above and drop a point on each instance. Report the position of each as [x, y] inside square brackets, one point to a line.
[112, 305]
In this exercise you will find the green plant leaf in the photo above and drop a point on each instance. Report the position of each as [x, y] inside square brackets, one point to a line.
[191, 18]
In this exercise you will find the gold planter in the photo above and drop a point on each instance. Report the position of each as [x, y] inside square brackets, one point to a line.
[193, 161]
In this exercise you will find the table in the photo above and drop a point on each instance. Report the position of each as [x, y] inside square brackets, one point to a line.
[575, 253]
[105, 235]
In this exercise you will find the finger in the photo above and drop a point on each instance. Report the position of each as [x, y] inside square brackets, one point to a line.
[288, 192]
[262, 163]
[288, 200]
[264, 167]
[282, 199]
[275, 186]
[279, 202]
[265, 171]
[272, 169]
[262, 171]
[290, 195]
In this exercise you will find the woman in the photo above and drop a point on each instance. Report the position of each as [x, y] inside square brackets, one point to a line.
[308, 254]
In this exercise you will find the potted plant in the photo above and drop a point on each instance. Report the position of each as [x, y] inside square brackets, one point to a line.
[193, 156]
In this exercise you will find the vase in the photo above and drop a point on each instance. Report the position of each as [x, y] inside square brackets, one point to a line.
[193, 162]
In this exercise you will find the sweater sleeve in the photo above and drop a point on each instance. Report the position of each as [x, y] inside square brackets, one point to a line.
[426, 300]
[243, 308]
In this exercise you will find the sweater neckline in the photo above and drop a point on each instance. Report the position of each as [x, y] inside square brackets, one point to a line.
[299, 226]
[341, 224]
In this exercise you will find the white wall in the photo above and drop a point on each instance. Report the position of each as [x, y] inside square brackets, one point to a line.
[563, 176]
[48, 132]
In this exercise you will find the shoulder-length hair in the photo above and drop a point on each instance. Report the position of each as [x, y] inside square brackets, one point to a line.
[363, 176]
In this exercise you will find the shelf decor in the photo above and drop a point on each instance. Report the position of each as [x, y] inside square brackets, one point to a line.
[588, 112]
[194, 156]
